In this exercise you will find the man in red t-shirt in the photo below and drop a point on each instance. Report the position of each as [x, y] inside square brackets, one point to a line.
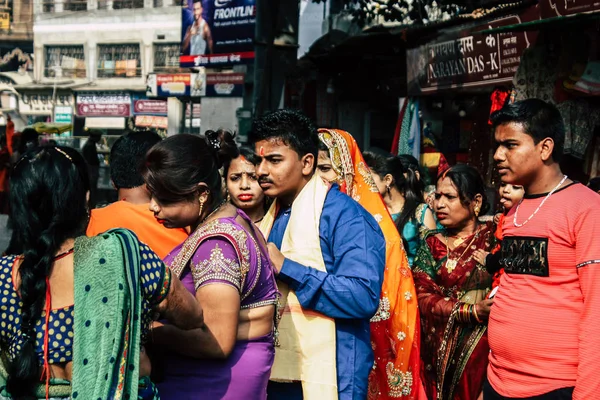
[543, 327]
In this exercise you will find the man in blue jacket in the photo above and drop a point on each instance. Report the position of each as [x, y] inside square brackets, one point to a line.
[341, 285]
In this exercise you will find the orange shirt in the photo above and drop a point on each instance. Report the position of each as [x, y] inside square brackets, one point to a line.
[544, 324]
[138, 219]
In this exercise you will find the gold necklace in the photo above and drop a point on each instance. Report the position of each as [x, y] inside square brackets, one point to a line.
[451, 263]
[213, 212]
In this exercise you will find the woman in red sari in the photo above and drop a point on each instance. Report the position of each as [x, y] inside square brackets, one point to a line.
[452, 287]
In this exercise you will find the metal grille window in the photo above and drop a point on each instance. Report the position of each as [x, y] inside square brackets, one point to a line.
[48, 6]
[158, 3]
[121, 4]
[75, 5]
[65, 61]
[166, 57]
[119, 60]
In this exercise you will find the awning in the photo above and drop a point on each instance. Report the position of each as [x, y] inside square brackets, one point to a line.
[547, 23]
[50, 128]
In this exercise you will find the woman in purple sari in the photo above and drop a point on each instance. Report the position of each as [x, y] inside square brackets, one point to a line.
[224, 262]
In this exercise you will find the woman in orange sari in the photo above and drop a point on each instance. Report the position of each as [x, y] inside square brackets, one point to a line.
[395, 329]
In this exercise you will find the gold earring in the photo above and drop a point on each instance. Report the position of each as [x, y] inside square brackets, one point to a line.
[201, 206]
[477, 210]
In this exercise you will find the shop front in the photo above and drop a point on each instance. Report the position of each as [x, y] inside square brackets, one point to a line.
[454, 83]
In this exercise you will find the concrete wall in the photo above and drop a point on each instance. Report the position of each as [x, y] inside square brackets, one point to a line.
[93, 27]
[220, 113]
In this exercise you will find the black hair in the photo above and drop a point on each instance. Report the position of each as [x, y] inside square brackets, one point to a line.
[292, 127]
[29, 140]
[468, 183]
[127, 155]
[246, 152]
[175, 166]
[594, 184]
[323, 147]
[416, 183]
[393, 166]
[539, 119]
[48, 203]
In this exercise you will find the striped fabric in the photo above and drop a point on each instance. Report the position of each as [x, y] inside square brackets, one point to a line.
[543, 329]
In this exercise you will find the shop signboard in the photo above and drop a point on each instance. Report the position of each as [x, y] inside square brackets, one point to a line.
[150, 107]
[151, 121]
[225, 85]
[467, 58]
[556, 8]
[176, 85]
[64, 115]
[217, 32]
[40, 103]
[103, 104]
[4, 21]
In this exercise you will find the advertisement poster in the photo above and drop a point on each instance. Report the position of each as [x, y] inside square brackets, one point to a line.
[217, 32]
[225, 85]
[176, 85]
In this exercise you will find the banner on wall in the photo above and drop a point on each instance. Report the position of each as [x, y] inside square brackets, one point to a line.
[103, 104]
[225, 85]
[176, 85]
[217, 32]
[149, 107]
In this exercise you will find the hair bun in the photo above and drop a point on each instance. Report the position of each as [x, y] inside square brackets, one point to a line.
[222, 145]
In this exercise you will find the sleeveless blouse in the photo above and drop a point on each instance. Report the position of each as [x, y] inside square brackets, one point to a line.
[155, 280]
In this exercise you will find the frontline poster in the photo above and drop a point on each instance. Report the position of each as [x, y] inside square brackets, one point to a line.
[217, 32]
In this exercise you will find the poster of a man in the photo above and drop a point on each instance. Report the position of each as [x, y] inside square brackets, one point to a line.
[198, 38]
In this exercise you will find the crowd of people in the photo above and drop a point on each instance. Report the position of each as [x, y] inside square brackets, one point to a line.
[299, 267]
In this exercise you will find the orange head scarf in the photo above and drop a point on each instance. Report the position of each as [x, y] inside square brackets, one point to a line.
[395, 328]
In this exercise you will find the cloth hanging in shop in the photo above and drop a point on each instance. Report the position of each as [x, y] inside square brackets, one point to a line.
[537, 73]
[403, 147]
[414, 140]
[408, 137]
[580, 119]
[589, 83]
[592, 162]
[499, 98]
[396, 140]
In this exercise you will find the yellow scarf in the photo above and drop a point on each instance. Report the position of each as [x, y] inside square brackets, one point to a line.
[306, 350]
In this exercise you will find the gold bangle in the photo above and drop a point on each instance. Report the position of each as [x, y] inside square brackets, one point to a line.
[475, 314]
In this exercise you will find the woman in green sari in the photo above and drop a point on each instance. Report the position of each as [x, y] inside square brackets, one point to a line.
[75, 311]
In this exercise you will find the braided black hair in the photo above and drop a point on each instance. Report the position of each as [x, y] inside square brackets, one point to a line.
[48, 202]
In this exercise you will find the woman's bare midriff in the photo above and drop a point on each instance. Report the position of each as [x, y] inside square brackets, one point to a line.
[255, 322]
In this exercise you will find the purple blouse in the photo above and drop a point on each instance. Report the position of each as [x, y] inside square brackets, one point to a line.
[224, 252]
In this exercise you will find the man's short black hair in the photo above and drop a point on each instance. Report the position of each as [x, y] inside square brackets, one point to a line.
[292, 127]
[539, 119]
[126, 156]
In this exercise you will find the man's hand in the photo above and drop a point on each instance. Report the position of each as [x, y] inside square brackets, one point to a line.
[276, 257]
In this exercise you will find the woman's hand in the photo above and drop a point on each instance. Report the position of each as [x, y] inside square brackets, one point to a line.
[483, 309]
[480, 256]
